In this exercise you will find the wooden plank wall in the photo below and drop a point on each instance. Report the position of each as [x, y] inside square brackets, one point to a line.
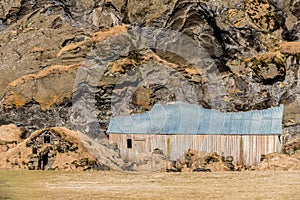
[245, 149]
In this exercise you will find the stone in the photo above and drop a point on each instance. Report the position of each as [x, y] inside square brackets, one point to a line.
[279, 162]
[295, 8]
[195, 161]
[218, 167]
[49, 51]
[201, 170]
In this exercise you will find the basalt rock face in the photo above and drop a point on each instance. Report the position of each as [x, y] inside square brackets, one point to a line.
[76, 63]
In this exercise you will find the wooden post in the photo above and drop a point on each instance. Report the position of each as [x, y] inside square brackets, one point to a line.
[242, 157]
[169, 147]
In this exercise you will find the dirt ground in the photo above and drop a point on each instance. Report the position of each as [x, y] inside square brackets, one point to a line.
[23, 184]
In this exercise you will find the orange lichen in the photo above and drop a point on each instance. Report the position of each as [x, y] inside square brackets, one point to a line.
[15, 99]
[36, 50]
[289, 47]
[45, 72]
[267, 57]
[17, 96]
[192, 71]
[95, 38]
[50, 99]
[117, 66]
[154, 56]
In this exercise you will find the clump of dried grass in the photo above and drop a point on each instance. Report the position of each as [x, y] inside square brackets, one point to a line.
[95, 38]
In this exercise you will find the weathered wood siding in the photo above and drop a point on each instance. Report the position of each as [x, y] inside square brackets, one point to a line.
[245, 149]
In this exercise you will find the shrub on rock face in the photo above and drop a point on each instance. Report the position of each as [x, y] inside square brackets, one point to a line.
[268, 72]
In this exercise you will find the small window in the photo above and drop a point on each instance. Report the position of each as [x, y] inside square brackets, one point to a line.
[46, 139]
[129, 143]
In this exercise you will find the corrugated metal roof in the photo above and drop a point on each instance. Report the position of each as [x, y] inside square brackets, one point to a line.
[184, 118]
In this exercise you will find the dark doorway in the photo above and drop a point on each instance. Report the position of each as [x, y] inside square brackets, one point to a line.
[34, 150]
[44, 160]
[129, 143]
[39, 161]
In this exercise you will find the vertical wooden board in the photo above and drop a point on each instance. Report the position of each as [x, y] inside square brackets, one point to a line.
[139, 146]
[245, 154]
[176, 145]
[250, 153]
[157, 142]
[114, 138]
[179, 146]
[148, 145]
[256, 145]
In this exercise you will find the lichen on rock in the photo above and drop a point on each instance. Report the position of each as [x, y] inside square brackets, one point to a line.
[251, 50]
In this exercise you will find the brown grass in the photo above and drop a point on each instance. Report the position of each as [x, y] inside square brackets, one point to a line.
[117, 185]
[55, 69]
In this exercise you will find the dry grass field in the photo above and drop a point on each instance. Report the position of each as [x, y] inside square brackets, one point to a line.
[117, 185]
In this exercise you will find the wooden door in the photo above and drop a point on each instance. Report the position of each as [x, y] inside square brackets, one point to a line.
[140, 146]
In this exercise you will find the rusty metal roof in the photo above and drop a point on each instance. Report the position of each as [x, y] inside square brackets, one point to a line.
[184, 118]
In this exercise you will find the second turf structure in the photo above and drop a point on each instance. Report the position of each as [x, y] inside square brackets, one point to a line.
[176, 127]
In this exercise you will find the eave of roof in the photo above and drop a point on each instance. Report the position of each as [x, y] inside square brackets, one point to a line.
[184, 118]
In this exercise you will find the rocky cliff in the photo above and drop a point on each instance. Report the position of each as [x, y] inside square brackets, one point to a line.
[76, 63]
